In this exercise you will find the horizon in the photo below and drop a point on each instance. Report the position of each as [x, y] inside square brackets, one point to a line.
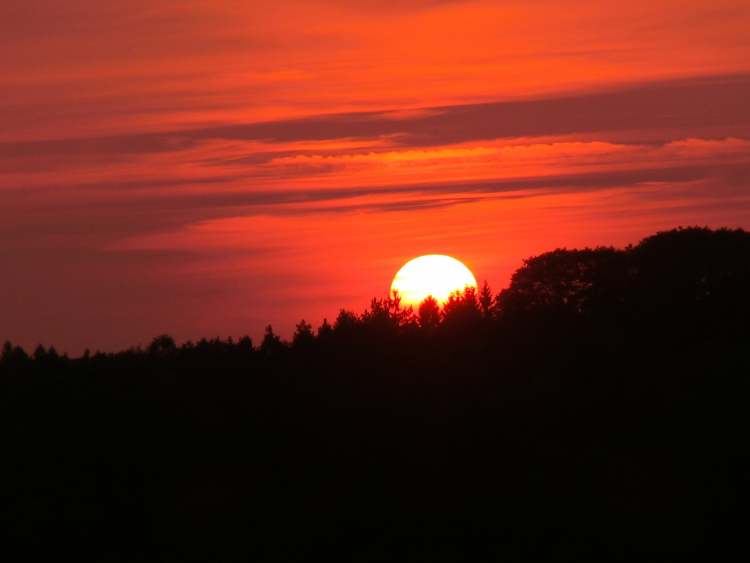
[392, 296]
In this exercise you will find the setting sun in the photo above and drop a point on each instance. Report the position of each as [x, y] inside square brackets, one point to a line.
[434, 274]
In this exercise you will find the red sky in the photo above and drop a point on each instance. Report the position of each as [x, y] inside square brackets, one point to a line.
[206, 167]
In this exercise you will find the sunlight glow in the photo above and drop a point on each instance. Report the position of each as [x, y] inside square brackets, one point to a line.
[434, 274]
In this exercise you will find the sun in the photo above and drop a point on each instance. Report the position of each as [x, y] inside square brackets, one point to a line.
[433, 274]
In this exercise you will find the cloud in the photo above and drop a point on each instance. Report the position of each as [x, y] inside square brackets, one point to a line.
[667, 106]
[146, 212]
[268, 146]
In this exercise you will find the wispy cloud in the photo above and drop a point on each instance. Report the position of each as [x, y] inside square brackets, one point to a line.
[668, 107]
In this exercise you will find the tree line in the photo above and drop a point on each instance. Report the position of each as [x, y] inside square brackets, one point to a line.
[595, 409]
[688, 271]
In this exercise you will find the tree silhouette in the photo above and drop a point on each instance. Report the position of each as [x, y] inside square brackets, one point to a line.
[325, 330]
[245, 344]
[694, 265]
[595, 411]
[40, 354]
[387, 316]
[162, 346]
[271, 345]
[429, 313]
[303, 335]
[346, 322]
[7, 352]
[567, 281]
[486, 301]
[462, 309]
[12, 356]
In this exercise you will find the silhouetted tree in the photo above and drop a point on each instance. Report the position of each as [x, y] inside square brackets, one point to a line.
[462, 309]
[245, 344]
[40, 354]
[429, 313]
[7, 352]
[387, 316]
[272, 344]
[162, 346]
[486, 301]
[303, 335]
[403, 316]
[570, 281]
[325, 330]
[346, 322]
[695, 265]
[13, 354]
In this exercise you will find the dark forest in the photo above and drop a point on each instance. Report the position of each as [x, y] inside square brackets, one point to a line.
[594, 410]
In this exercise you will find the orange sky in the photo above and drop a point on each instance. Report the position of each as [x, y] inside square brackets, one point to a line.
[203, 168]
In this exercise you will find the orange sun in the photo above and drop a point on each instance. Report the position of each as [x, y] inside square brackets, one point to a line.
[434, 274]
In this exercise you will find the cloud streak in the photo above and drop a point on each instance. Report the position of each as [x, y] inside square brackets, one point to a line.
[666, 107]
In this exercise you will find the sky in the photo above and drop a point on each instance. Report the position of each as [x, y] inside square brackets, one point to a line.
[204, 168]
